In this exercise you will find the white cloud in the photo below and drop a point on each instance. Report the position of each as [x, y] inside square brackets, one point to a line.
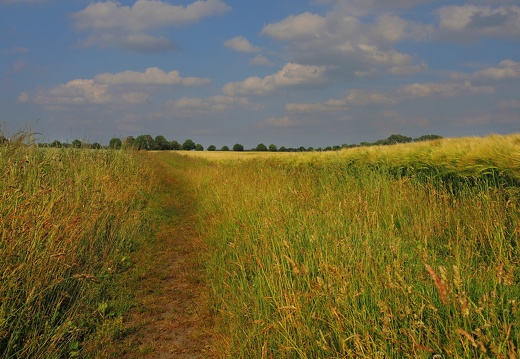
[443, 89]
[507, 69]
[291, 75]
[115, 25]
[76, 92]
[240, 44]
[151, 76]
[470, 21]
[144, 14]
[108, 88]
[296, 26]
[261, 60]
[355, 46]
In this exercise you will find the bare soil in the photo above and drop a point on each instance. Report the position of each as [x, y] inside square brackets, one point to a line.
[173, 317]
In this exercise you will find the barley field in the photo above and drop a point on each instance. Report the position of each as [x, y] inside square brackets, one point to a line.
[406, 251]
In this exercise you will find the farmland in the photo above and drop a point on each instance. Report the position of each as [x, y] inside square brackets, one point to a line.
[404, 251]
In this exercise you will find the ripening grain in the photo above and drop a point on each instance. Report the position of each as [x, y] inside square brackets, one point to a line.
[406, 251]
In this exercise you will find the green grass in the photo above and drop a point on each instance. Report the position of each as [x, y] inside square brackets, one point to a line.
[343, 256]
[69, 221]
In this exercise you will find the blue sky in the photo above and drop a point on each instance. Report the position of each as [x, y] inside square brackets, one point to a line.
[288, 72]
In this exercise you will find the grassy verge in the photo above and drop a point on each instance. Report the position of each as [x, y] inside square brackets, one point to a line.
[332, 256]
[69, 220]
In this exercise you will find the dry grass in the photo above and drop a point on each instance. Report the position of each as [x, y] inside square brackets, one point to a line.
[69, 219]
[354, 255]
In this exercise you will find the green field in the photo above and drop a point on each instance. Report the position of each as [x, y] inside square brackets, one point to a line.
[404, 251]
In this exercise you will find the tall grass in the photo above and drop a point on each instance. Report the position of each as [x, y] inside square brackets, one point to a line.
[68, 221]
[317, 256]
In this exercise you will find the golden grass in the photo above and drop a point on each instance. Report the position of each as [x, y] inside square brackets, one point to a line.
[338, 255]
[68, 221]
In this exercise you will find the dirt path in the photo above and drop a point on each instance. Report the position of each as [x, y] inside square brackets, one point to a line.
[172, 319]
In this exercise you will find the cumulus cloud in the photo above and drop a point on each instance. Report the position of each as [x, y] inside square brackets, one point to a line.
[240, 44]
[470, 21]
[261, 60]
[355, 46]
[151, 76]
[447, 89]
[115, 25]
[291, 75]
[118, 88]
[296, 26]
[507, 69]
[144, 14]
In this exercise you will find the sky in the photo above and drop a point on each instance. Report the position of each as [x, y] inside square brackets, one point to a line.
[285, 72]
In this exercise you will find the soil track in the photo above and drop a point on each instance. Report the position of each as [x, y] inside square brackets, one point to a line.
[172, 319]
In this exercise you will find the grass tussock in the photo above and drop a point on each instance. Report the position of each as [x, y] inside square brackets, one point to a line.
[68, 222]
[341, 256]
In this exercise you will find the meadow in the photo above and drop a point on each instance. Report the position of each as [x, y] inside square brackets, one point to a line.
[69, 221]
[402, 251]
[406, 251]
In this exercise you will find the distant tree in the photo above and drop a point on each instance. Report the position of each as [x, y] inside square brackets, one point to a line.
[129, 142]
[174, 145]
[95, 146]
[310, 149]
[76, 143]
[238, 147]
[188, 145]
[261, 147]
[56, 144]
[144, 142]
[199, 147]
[328, 148]
[273, 148]
[162, 143]
[115, 143]
[212, 148]
[282, 149]
[224, 148]
[393, 139]
[428, 138]
[302, 149]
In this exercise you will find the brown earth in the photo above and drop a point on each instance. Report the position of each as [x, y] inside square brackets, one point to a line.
[172, 318]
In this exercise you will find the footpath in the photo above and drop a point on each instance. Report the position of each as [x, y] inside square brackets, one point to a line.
[172, 318]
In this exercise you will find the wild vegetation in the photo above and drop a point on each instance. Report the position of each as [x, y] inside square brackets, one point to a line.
[408, 251]
[403, 251]
[69, 220]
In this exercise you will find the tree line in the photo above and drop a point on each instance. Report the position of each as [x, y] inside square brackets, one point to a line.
[160, 143]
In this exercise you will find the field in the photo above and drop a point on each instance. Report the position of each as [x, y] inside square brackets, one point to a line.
[404, 251]
[408, 251]
[69, 220]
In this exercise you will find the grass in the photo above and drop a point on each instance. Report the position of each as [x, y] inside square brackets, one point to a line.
[69, 221]
[406, 251]
[354, 255]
